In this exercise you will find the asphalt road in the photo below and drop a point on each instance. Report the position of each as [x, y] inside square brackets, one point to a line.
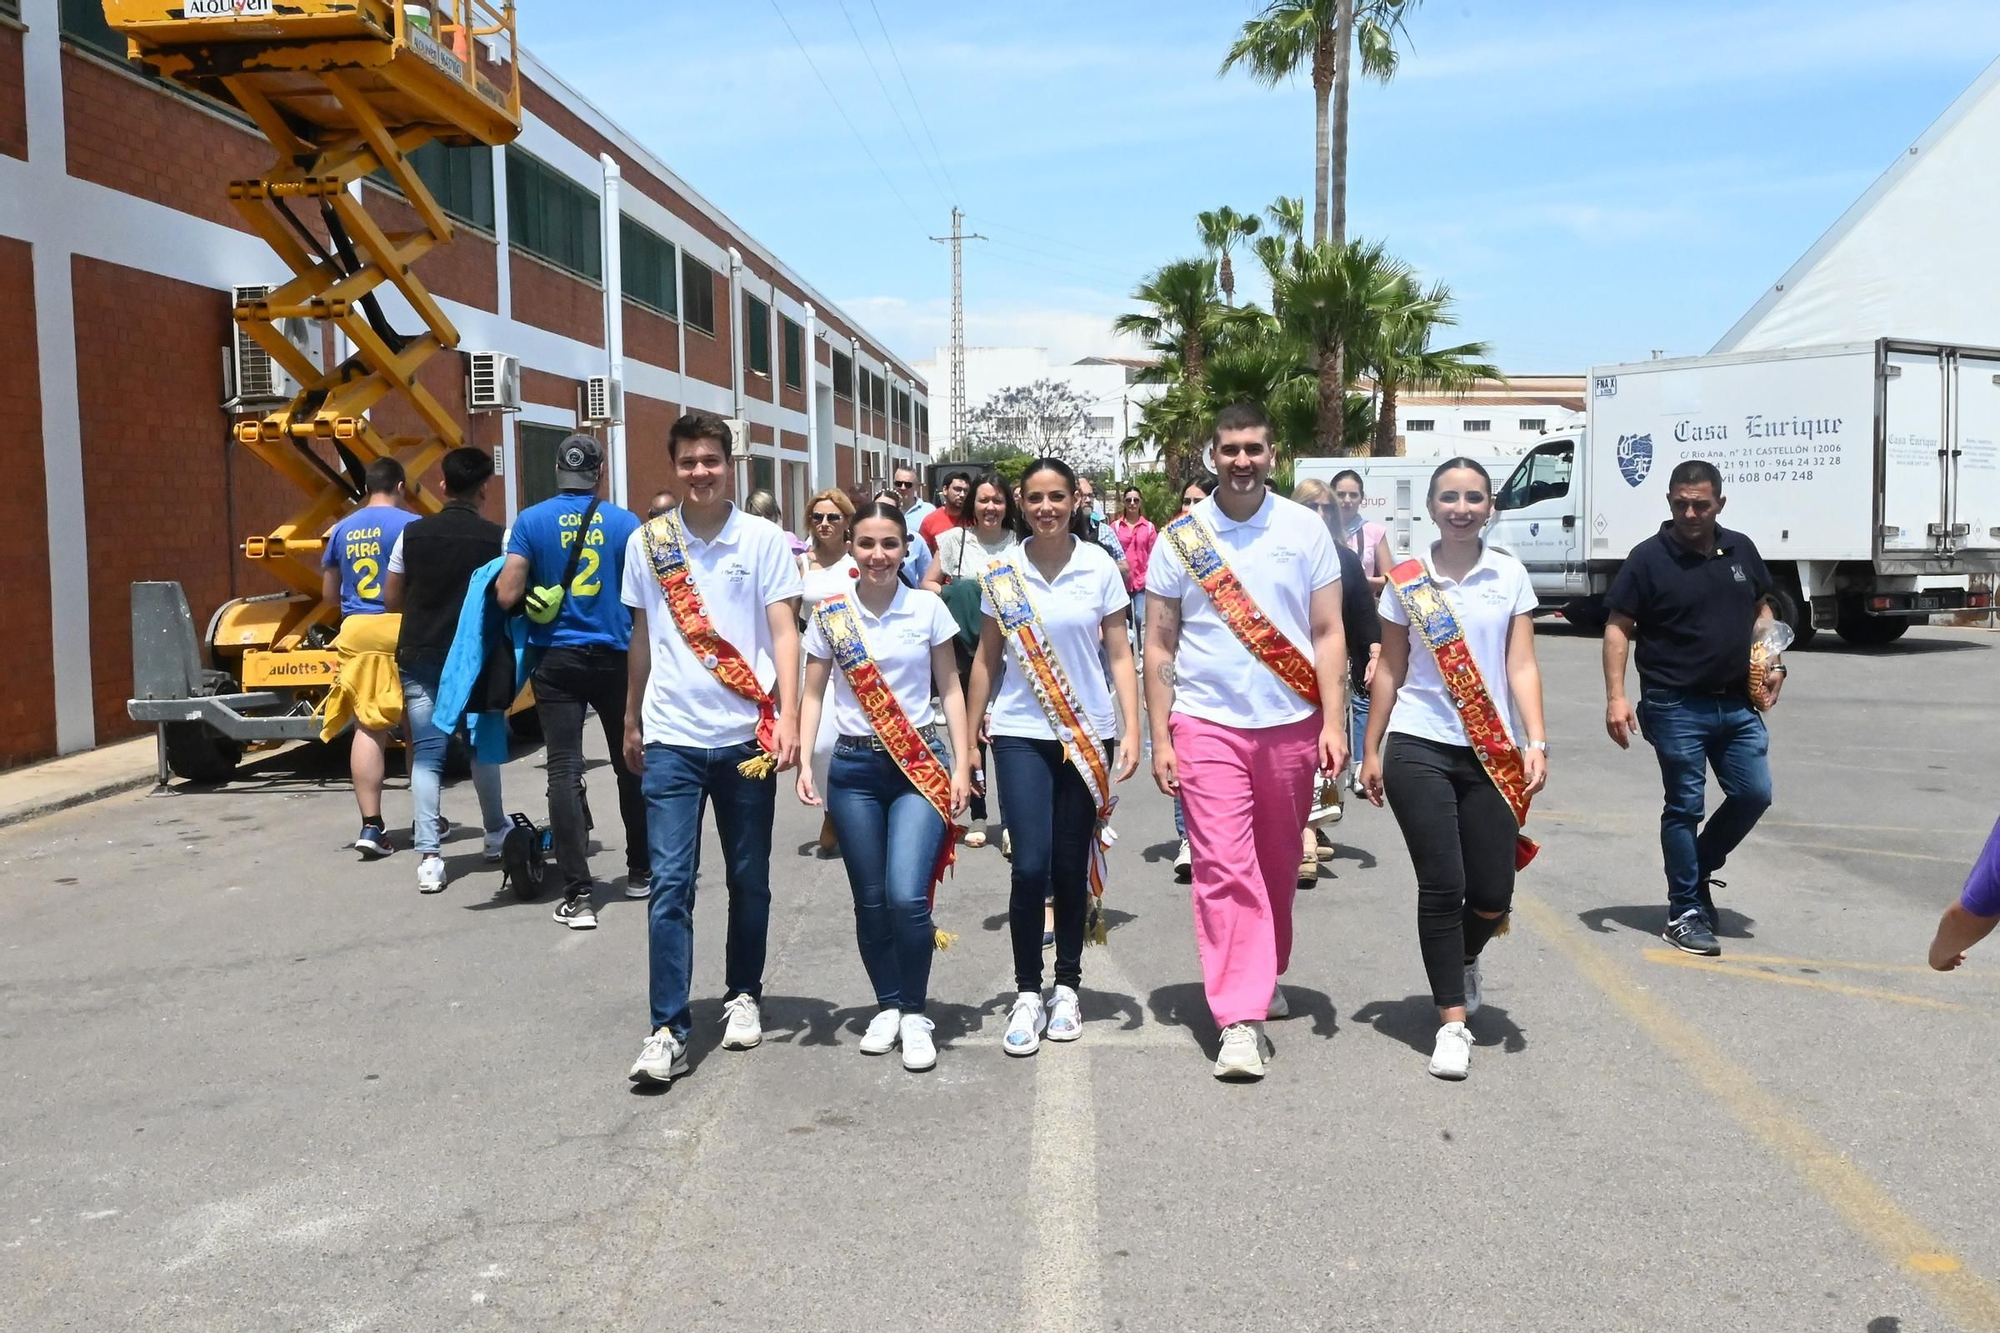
[249, 1083]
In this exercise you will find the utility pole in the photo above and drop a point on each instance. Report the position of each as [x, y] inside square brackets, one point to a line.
[958, 405]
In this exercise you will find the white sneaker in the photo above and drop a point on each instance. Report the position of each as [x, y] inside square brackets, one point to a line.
[919, 1052]
[1473, 999]
[661, 1060]
[1453, 1056]
[742, 1024]
[494, 841]
[1280, 1006]
[1025, 1024]
[1242, 1055]
[880, 1039]
[1065, 1015]
[430, 875]
[1007, 844]
[1184, 863]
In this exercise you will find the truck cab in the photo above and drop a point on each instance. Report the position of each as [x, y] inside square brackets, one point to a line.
[1538, 518]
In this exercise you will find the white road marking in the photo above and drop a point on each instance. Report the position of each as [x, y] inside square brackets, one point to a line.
[1061, 1272]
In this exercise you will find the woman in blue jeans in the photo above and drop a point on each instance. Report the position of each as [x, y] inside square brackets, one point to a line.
[891, 835]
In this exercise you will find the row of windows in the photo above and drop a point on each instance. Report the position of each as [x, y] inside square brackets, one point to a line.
[757, 343]
[1474, 425]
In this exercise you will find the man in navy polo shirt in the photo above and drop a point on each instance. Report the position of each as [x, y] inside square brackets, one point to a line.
[1692, 596]
[584, 629]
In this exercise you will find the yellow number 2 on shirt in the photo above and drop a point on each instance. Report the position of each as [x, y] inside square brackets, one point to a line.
[585, 583]
[365, 585]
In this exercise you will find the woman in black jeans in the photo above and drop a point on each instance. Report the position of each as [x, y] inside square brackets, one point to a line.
[1460, 830]
[1078, 599]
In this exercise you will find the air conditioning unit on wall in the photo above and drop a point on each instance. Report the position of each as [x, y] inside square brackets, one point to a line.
[603, 400]
[492, 382]
[251, 378]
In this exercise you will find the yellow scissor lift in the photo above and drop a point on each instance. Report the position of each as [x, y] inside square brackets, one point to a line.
[341, 88]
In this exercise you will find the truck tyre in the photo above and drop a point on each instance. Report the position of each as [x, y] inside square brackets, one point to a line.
[1866, 631]
[1587, 614]
[1798, 612]
[198, 752]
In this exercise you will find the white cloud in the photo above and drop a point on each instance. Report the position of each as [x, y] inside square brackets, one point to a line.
[1079, 328]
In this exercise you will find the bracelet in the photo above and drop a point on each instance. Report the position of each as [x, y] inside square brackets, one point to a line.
[1543, 746]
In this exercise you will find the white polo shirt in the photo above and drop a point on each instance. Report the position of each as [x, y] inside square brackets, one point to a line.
[900, 640]
[1072, 611]
[1485, 602]
[1281, 554]
[748, 567]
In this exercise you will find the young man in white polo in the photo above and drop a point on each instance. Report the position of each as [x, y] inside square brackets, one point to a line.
[711, 717]
[1245, 667]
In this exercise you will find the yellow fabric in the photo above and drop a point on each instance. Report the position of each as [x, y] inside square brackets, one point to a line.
[368, 689]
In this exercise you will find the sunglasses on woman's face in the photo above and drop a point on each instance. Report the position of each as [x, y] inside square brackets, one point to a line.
[819, 519]
[1322, 506]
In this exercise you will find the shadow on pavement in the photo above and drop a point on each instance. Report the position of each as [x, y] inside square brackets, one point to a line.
[1161, 851]
[1413, 1020]
[1830, 645]
[1113, 918]
[1185, 1005]
[1650, 918]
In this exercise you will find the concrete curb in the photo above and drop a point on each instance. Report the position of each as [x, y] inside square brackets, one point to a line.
[21, 814]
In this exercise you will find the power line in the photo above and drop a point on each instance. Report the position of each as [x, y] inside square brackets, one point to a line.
[1052, 240]
[843, 113]
[916, 151]
[915, 105]
[1073, 267]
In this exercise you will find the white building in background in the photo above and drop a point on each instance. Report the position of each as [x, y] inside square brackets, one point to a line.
[1494, 419]
[1105, 380]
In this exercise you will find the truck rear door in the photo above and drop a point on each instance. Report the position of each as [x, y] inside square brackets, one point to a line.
[1910, 501]
[1975, 479]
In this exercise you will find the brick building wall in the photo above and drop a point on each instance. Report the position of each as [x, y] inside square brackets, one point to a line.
[13, 96]
[27, 707]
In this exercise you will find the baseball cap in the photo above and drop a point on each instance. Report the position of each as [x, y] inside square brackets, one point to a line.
[579, 460]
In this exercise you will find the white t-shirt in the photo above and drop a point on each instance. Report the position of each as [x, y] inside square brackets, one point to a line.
[1072, 612]
[822, 583]
[748, 567]
[961, 553]
[900, 641]
[1485, 602]
[1281, 554]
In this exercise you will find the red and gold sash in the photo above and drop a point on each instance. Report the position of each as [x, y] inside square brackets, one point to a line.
[666, 547]
[921, 764]
[1434, 623]
[1036, 659]
[1196, 547]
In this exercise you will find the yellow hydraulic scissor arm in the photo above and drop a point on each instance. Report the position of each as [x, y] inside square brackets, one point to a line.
[341, 88]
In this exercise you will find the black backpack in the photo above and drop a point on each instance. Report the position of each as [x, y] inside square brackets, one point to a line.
[524, 857]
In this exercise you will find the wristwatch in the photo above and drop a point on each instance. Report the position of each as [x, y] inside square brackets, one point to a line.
[1777, 669]
[1543, 746]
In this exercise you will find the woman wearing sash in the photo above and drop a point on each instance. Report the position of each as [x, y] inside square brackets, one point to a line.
[1192, 494]
[1460, 808]
[825, 568]
[891, 789]
[1051, 608]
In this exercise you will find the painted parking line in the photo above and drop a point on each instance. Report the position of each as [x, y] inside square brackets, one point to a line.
[1737, 967]
[1962, 1295]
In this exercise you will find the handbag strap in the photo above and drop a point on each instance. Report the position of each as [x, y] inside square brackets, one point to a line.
[576, 548]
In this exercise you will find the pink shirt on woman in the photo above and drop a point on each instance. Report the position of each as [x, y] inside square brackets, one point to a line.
[1136, 539]
[1362, 539]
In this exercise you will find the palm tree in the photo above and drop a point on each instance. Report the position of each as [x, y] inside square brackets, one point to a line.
[1275, 253]
[1291, 35]
[1221, 228]
[1182, 320]
[1338, 297]
[1403, 361]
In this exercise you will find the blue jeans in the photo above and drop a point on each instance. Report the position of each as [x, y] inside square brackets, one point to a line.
[1052, 819]
[1690, 733]
[890, 837]
[427, 767]
[1180, 821]
[679, 782]
[1357, 724]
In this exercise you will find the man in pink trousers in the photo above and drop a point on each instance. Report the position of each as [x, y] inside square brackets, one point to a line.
[1243, 719]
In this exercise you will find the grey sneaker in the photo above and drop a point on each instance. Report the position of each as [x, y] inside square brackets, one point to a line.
[1689, 933]
[576, 912]
[661, 1060]
[1243, 1053]
[1473, 998]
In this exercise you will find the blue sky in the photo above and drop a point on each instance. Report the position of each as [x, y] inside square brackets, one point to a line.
[1594, 180]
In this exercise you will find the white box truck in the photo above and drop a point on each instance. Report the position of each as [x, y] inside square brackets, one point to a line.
[1868, 474]
[1393, 490]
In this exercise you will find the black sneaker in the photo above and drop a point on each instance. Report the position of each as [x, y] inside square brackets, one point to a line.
[1689, 933]
[1707, 896]
[577, 913]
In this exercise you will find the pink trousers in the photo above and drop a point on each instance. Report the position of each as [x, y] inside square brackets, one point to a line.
[1245, 793]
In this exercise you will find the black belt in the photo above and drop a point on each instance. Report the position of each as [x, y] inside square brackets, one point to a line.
[874, 742]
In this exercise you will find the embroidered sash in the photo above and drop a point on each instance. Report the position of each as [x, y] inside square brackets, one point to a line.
[1196, 547]
[1035, 657]
[666, 547]
[923, 765]
[1434, 623]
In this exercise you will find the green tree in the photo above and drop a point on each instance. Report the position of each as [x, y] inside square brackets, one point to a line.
[1336, 297]
[1320, 38]
[1402, 359]
[1181, 319]
[1221, 228]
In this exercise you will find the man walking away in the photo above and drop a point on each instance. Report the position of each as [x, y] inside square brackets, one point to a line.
[353, 569]
[702, 726]
[1693, 597]
[431, 564]
[566, 563]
